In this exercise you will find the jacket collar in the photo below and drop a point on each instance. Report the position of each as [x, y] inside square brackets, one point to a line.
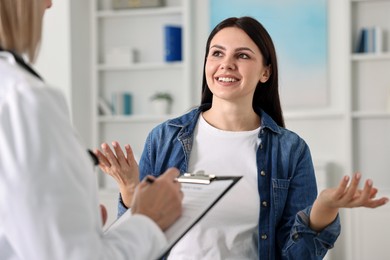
[189, 120]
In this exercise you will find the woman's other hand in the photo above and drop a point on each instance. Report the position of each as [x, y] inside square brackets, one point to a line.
[328, 203]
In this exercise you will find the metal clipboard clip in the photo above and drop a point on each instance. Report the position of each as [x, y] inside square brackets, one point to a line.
[196, 178]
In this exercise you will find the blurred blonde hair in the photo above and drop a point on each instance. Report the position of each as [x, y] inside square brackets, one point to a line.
[21, 26]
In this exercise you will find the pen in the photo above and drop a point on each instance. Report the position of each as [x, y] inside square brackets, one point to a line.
[95, 159]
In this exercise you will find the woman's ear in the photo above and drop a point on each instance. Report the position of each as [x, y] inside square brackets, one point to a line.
[266, 74]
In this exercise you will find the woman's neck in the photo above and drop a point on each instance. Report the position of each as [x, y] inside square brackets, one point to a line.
[232, 117]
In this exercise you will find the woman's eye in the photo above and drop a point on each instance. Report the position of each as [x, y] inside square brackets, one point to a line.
[216, 53]
[243, 56]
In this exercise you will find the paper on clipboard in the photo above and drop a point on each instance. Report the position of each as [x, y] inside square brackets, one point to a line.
[198, 199]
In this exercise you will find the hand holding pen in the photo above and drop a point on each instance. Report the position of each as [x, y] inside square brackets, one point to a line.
[159, 198]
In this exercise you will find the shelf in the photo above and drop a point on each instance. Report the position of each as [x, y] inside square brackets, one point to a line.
[371, 115]
[157, 118]
[141, 66]
[134, 119]
[370, 56]
[319, 114]
[368, 1]
[169, 10]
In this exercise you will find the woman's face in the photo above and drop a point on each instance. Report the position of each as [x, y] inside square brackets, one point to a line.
[234, 66]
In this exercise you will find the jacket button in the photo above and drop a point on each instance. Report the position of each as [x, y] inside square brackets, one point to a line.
[264, 236]
[261, 146]
[262, 173]
[295, 237]
[264, 203]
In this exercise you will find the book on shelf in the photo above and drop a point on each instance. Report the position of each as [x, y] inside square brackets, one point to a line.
[104, 107]
[123, 4]
[122, 103]
[370, 40]
[173, 43]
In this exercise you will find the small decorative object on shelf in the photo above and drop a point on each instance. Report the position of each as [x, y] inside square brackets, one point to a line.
[123, 4]
[162, 103]
[121, 56]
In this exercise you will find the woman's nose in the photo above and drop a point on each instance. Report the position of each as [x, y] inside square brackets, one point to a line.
[228, 64]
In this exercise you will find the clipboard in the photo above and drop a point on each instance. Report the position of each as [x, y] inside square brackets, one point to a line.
[201, 194]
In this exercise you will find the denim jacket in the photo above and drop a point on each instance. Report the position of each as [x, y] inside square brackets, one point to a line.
[286, 184]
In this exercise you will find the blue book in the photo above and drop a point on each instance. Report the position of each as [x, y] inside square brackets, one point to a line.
[362, 42]
[173, 43]
[127, 104]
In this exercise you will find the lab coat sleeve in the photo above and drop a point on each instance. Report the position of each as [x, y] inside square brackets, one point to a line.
[48, 190]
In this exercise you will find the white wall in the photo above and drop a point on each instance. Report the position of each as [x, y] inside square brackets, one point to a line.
[64, 59]
[81, 68]
[201, 32]
[54, 60]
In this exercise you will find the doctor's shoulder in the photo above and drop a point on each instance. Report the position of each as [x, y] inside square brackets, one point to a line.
[20, 87]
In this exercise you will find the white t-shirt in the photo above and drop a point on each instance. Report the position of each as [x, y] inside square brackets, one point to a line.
[229, 231]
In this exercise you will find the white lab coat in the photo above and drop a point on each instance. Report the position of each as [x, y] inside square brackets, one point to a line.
[48, 190]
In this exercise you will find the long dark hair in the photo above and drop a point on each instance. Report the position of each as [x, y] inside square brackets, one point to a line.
[266, 94]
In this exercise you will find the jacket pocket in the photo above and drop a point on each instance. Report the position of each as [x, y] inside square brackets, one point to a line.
[280, 191]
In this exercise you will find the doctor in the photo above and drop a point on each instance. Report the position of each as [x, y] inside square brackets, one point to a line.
[49, 207]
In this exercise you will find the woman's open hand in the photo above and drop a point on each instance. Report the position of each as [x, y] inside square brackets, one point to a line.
[124, 169]
[328, 203]
[351, 196]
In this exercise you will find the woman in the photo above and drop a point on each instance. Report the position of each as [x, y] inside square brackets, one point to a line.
[49, 205]
[238, 129]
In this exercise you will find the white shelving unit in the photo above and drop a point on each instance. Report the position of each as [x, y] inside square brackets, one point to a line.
[140, 29]
[370, 126]
[353, 132]
[370, 93]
